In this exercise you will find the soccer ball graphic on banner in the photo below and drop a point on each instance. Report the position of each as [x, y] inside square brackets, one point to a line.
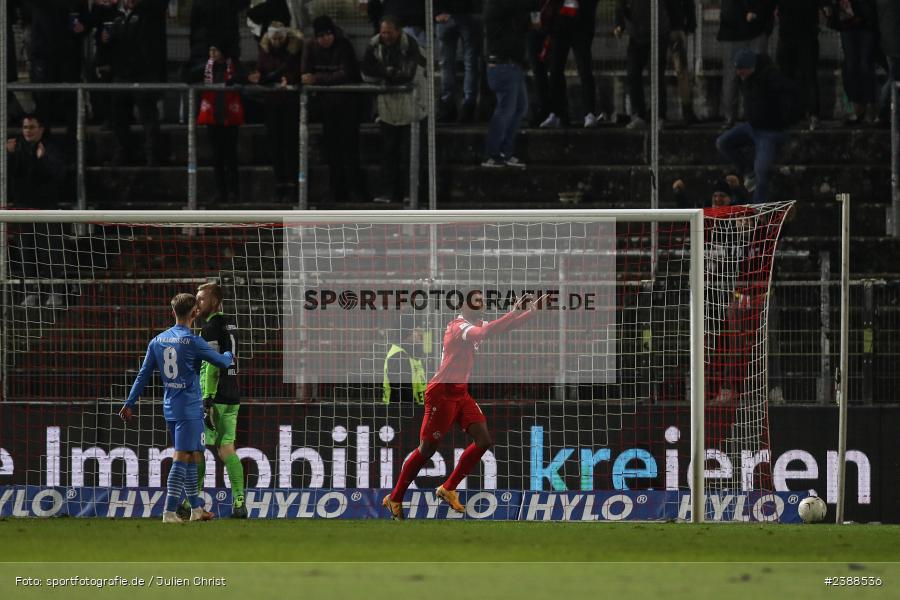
[812, 509]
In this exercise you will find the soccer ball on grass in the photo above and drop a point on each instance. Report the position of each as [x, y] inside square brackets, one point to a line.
[812, 509]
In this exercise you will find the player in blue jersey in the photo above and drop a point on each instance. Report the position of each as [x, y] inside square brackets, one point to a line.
[178, 353]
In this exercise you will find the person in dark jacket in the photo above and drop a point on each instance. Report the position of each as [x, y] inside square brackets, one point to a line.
[889, 26]
[268, 12]
[742, 24]
[103, 14]
[572, 28]
[280, 52]
[458, 21]
[538, 40]
[768, 97]
[682, 23]
[725, 192]
[857, 22]
[215, 22]
[223, 114]
[635, 14]
[506, 26]
[36, 166]
[798, 48]
[330, 59]
[55, 53]
[393, 57]
[409, 13]
[36, 176]
[137, 46]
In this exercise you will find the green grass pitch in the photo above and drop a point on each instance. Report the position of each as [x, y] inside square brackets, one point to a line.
[375, 559]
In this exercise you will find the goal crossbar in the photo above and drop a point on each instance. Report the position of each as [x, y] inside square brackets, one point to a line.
[345, 216]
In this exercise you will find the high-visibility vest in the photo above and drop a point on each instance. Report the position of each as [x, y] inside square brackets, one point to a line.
[418, 376]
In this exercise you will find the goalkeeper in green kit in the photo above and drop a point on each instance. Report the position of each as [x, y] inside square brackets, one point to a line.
[219, 388]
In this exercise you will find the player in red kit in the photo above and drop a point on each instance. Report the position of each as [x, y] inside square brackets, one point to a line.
[447, 399]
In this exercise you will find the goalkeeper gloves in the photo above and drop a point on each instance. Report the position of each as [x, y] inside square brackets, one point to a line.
[209, 414]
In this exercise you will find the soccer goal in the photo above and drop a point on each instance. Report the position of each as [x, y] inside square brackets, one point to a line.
[646, 358]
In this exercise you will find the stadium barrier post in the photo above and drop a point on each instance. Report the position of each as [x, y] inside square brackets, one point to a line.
[844, 375]
[414, 149]
[823, 387]
[4, 115]
[895, 157]
[79, 149]
[192, 149]
[432, 132]
[561, 317]
[698, 40]
[302, 158]
[655, 82]
[866, 365]
[698, 451]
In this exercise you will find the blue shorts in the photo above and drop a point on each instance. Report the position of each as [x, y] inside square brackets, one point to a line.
[188, 435]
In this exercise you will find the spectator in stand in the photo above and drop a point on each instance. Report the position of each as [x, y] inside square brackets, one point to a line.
[36, 175]
[538, 39]
[682, 23]
[215, 22]
[58, 28]
[393, 57]
[798, 48]
[742, 24]
[769, 105]
[409, 13]
[223, 114]
[137, 40]
[280, 52]
[889, 25]
[458, 20]
[262, 15]
[572, 28]
[636, 13]
[330, 59]
[725, 192]
[506, 27]
[857, 23]
[103, 14]
[36, 166]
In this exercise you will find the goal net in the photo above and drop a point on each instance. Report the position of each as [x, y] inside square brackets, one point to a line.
[341, 318]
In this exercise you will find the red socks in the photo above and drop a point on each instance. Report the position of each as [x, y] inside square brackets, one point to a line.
[416, 461]
[467, 462]
[409, 471]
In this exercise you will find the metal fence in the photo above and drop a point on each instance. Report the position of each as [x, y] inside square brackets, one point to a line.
[804, 334]
[188, 94]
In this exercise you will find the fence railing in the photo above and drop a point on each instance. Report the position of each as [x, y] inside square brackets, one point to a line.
[804, 341]
[189, 95]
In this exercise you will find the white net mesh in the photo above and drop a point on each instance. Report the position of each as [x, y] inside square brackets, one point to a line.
[589, 412]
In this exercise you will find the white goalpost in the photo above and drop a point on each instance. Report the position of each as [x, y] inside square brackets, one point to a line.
[638, 392]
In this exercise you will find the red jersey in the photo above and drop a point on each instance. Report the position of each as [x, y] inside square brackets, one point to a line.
[458, 356]
[461, 341]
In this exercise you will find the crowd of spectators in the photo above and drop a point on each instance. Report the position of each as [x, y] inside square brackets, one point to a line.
[501, 42]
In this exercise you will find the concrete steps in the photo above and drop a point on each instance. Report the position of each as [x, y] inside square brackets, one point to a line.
[605, 145]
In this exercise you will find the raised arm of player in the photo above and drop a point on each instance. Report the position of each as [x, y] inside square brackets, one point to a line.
[140, 382]
[524, 315]
[206, 352]
[514, 318]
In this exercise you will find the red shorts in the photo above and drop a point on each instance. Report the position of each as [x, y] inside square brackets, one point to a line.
[446, 405]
